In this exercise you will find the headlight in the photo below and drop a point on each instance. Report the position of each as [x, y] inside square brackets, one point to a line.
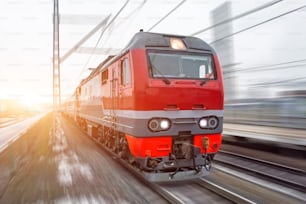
[153, 125]
[164, 124]
[210, 122]
[203, 123]
[159, 124]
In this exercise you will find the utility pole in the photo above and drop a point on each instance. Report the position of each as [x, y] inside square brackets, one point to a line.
[56, 59]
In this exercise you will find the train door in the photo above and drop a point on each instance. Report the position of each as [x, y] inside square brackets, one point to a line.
[114, 107]
[125, 89]
[114, 93]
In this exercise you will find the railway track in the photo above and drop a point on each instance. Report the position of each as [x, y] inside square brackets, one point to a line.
[290, 177]
[204, 190]
[171, 198]
[194, 191]
[9, 122]
[229, 194]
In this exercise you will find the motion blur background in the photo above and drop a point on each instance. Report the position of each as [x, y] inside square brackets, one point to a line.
[261, 45]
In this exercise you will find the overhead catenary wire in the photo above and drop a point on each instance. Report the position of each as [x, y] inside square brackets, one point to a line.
[258, 24]
[203, 30]
[278, 64]
[86, 37]
[130, 16]
[278, 82]
[288, 64]
[98, 41]
[107, 26]
[267, 67]
[104, 29]
[238, 16]
[164, 17]
[136, 10]
[231, 74]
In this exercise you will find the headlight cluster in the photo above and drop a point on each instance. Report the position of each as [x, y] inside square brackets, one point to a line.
[210, 122]
[159, 124]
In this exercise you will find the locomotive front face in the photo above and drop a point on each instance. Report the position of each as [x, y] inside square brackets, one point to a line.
[178, 104]
[181, 91]
[185, 91]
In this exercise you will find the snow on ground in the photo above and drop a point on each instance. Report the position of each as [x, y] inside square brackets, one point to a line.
[68, 163]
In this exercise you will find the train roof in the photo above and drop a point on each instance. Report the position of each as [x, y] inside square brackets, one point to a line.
[147, 39]
[151, 40]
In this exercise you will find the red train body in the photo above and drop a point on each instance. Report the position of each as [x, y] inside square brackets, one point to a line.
[159, 105]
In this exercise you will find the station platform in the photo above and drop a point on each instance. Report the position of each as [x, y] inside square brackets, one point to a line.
[266, 133]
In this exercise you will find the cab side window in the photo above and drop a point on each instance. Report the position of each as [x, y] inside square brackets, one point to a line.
[125, 72]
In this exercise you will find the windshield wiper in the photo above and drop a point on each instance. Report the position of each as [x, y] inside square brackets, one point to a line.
[203, 82]
[167, 81]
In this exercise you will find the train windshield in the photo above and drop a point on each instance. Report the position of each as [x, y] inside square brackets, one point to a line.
[181, 65]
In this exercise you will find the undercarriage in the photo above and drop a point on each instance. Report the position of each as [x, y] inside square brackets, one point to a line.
[183, 163]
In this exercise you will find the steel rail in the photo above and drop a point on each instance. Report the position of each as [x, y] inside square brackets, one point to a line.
[226, 193]
[287, 168]
[295, 178]
[168, 196]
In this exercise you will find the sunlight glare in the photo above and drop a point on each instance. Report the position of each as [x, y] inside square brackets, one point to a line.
[30, 101]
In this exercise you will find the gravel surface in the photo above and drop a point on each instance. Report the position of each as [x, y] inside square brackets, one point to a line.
[62, 165]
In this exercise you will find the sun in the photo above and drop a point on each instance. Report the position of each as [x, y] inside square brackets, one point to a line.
[29, 101]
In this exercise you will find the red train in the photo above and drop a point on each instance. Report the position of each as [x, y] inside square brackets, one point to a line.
[159, 105]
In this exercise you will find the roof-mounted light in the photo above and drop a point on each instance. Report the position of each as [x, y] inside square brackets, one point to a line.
[177, 43]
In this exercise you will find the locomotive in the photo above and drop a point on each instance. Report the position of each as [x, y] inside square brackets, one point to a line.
[158, 105]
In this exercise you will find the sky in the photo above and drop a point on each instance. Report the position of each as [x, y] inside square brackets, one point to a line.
[269, 55]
